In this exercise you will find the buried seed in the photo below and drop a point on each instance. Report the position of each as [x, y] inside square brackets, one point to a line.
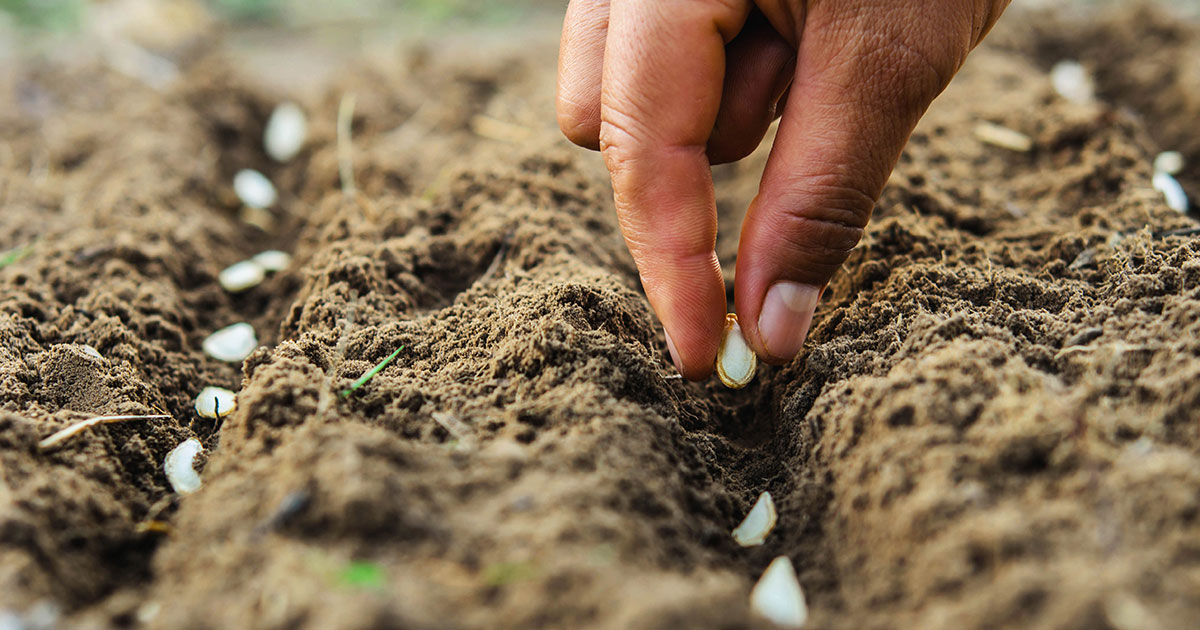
[215, 402]
[777, 595]
[241, 276]
[179, 469]
[1171, 190]
[91, 352]
[254, 189]
[231, 344]
[736, 362]
[286, 131]
[758, 522]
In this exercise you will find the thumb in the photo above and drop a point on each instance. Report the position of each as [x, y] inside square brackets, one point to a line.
[864, 79]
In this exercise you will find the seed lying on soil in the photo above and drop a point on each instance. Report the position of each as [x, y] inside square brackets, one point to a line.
[758, 522]
[273, 260]
[241, 276]
[215, 402]
[1073, 82]
[286, 131]
[232, 343]
[778, 597]
[736, 362]
[1169, 162]
[254, 189]
[1171, 190]
[180, 473]
[91, 352]
[1003, 137]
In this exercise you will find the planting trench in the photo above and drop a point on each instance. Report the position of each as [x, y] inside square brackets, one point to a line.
[993, 424]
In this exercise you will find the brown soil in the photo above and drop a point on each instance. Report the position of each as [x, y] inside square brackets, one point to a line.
[994, 424]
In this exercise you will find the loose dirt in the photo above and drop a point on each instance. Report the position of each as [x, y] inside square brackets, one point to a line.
[994, 424]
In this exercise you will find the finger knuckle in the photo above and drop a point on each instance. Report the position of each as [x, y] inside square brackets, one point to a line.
[618, 142]
[830, 228]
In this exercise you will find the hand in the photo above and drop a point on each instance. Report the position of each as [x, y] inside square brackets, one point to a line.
[665, 88]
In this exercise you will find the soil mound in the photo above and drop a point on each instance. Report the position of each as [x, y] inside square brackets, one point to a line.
[993, 425]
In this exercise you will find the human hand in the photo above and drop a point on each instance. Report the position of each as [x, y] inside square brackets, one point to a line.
[665, 88]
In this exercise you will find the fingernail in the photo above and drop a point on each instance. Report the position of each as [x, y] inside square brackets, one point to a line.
[673, 351]
[787, 313]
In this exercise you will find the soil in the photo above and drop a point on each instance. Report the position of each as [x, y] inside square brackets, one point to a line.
[994, 424]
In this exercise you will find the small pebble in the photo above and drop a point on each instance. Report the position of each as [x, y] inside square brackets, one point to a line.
[778, 597]
[758, 522]
[180, 472]
[254, 189]
[273, 260]
[232, 343]
[215, 402]
[1073, 82]
[285, 133]
[1169, 162]
[241, 276]
[1171, 190]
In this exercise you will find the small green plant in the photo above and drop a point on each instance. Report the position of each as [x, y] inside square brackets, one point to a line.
[362, 380]
[13, 255]
[50, 15]
[247, 10]
[502, 573]
[363, 575]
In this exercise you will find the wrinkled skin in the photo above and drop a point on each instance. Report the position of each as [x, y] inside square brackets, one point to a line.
[666, 88]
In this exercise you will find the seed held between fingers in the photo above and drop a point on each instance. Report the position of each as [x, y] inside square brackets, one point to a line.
[736, 362]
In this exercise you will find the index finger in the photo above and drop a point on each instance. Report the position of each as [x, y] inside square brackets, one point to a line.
[663, 74]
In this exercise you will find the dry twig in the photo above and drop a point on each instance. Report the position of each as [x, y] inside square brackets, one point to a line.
[65, 434]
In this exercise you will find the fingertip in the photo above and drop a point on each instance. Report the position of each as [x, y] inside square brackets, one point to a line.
[692, 312]
[580, 124]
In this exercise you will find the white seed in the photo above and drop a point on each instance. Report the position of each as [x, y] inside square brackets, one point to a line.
[758, 522]
[1073, 82]
[736, 362]
[254, 189]
[286, 131]
[273, 260]
[215, 402]
[778, 597]
[180, 472]
[232, 343]
[1003, 137]
[241, 276]
[91, 352]
[1171, 190]
[1169, 162]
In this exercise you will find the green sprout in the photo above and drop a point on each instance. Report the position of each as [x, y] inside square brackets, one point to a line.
[362, 380]
[502, 573]
[48, 15]
[13, 255]
[363, 575]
